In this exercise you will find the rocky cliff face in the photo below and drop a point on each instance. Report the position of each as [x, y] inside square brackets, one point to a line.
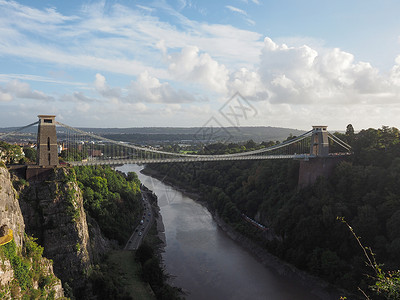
[11, 286]
[10, 212]
[53, 212]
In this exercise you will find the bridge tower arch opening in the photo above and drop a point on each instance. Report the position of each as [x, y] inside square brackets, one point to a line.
[47, 152]
[319, 142]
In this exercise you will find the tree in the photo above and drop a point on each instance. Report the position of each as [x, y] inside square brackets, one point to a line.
[349, 130]
[386, 283]
[144, 253]
[30, 153]
[10, 154]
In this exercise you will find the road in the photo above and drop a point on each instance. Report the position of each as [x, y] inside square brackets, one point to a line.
[141, 230]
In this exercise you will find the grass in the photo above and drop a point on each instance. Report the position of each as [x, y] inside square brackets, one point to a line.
[129, 270]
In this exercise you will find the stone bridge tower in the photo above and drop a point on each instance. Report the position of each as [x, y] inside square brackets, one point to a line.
[320, 163]
[319, 142]
[47, 152]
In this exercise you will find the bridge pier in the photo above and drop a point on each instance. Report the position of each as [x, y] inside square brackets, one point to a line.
[319, 162]
[310, 170]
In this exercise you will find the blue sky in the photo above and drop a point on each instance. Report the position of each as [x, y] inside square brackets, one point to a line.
[178, 63]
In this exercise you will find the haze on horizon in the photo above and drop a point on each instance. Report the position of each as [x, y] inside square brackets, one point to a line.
[178, 63]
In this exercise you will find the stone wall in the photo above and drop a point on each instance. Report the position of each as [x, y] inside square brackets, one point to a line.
[313, 168]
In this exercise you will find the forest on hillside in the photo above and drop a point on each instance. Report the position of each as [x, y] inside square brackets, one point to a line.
[363, 190]
[112, 199]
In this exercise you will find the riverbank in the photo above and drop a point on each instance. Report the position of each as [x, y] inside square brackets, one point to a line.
[149, 254]
[159, 225]
[316, 285]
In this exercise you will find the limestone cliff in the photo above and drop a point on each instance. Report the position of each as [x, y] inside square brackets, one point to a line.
[23, 271]
[10, 212]
[53, 212]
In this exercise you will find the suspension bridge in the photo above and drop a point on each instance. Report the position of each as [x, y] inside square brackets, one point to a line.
[56, 141]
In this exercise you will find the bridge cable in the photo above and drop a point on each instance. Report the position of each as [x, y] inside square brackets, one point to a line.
[181, 155]
[19, 129]
[339, 141]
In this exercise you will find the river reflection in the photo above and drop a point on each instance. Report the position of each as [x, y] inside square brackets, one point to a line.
[205, 262]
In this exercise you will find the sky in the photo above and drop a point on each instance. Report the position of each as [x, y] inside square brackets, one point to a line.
[186, 63]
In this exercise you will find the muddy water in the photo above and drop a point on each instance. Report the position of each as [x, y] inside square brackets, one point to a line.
[205, 262]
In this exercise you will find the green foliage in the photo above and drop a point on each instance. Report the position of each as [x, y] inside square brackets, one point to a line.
[68, 292]
[74, 155]
[154, 274]
[19, 183]
[28, 269]
[363, 189]
[72, 208]
[30, 153]
[112, 199]
[106, 284]
[32, 249]
[144, 253]
[21, 267]
[69, 175]
[386, 283]
[11, 154]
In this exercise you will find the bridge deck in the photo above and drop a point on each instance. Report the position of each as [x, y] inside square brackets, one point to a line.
[94, 162]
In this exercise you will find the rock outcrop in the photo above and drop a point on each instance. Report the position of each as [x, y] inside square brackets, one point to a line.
[10, 212]
[53, 212]
[11, 216]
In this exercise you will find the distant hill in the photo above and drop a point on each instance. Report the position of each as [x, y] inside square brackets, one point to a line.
[160, 135]
[154, 135]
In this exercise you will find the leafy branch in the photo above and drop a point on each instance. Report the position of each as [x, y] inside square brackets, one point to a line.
[386, 284]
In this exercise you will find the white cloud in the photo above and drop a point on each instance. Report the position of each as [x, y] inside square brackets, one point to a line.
[302, 75]
[22, 90]
[46, 16]
[84, 41]
[29, 77]
[149, 89]
[161, 45]
[100, 83]
[242, 12]
[146, 8]
[77, 97]
[5, 97]
[190, 64]
[235, 9]
[249, 84]
[171, 63]
[82, 107]
[395, 72]
[254, 1]
[103, 89]
[145, 88]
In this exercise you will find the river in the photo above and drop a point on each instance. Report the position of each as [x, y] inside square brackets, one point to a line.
[206, 263]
